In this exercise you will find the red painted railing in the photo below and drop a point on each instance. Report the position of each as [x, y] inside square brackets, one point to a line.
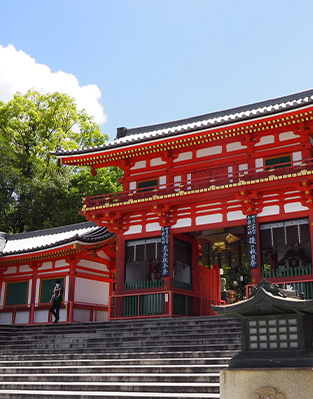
[158, 304]
[218, 179]
[69, 306]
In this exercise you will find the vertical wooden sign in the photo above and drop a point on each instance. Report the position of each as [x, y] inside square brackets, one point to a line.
[252, 235]
[165, 243]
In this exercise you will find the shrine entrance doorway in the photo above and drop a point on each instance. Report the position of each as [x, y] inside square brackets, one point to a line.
[227, 248]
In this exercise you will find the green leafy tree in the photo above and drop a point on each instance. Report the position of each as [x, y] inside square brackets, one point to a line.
[36, 191]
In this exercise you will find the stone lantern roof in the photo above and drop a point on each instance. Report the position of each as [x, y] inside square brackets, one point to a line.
[267, 299]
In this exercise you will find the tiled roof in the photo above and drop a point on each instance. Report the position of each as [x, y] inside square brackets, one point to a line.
[22, 243]
[270, 107]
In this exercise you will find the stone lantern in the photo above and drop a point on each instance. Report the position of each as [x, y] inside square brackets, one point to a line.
[277, 340]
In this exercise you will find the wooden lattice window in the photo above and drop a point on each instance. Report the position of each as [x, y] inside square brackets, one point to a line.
[16, 293]
[147, 185]
[46, 289]
[278, 162]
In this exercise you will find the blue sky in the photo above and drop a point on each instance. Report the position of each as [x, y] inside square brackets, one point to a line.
[157, 60]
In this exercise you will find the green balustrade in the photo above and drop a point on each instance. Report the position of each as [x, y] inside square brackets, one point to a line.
[290, 272]
[149, 305]
[144, 284]
[180, 303]
[184, 286]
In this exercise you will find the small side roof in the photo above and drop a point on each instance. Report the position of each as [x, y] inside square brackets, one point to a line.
[33, 241]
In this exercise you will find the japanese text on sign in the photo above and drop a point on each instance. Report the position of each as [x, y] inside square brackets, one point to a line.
[165, 242]
[252, 242]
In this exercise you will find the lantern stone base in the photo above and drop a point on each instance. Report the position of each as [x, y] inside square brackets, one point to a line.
[273, 383]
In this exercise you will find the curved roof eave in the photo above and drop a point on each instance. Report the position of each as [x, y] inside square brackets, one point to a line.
[215, 119]
[30, 243]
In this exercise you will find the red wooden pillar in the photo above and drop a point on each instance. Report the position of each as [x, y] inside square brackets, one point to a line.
[1, 281]
[195, 272]
[71, 288]
[305, 143]
[311, 229]
[34, 267]
[120, 274]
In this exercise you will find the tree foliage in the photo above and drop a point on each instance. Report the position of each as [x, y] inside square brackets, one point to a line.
[36, 191]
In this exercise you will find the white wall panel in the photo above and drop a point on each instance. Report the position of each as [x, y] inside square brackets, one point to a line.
[295, 207]
[91, 291]
[22, 317]
[216, 218]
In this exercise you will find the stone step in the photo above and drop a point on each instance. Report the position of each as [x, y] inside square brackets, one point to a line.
[45, 349]
[168, 358]
[117, 334]
[42, 394]
[163, 387]
[208, 361]
[196, 368]
[114, 377]
[140, 341]
[66, 328]
[117, 356]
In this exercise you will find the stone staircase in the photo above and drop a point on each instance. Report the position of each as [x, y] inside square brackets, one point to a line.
[156, 358]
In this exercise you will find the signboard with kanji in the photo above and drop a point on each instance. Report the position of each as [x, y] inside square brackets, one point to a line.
[252, 242]
[165, 242]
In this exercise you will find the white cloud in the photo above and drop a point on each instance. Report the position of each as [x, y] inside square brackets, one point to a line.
[20, 72]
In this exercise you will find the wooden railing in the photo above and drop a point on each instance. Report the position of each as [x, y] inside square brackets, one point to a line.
[159, 304]
[284, 169]
[144, 284]
[29, 311]
[288, 272]
[304, 286]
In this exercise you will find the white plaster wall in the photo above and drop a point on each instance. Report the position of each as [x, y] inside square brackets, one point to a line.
[66, 288]
[103, 255]
[297, 157]
[243, 166]
[295, 207]
[63, 315]
[265, 140]
[259, 164]
[81, 315]
[6, 318]
[216, 218]
[269, 210]
[184, 156]
[11, 270]
[153, 227]
[93, 265]
[2, 294]
[235, 215]
[25, 268]
[235, 146]
[45, 266]
[132, 185]
[37, 290]
[287, 136]
[30, 284]
[91, 291]
[134, 229]
[139, 165]
[100, 316]
[209, 151]
[61, 263]
[22, 317]
[157, 162]
[183, 222]
[177, 181]
[162, 181]
[41, 316]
